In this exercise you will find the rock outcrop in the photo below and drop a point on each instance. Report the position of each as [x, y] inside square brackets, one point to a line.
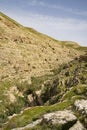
[61, 118]
[81, 106]
[64, 119]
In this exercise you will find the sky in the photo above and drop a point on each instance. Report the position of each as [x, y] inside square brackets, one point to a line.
[60, 19]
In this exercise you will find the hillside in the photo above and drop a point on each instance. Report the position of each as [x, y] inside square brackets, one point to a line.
[64, 92]
[26, 52]
[38, 75]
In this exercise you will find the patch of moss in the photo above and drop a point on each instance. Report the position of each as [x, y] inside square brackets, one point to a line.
[34, 113]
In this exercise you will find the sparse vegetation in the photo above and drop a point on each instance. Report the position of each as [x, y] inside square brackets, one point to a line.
[38, 75]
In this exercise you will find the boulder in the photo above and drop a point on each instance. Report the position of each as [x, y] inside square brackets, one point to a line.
[62, 118]
[81, 106]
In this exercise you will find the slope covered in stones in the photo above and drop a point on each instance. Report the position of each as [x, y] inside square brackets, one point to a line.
[25, 52]
[59, 91]
[38, 75]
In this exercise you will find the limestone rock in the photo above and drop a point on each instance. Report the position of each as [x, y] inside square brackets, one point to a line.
[60, 117]
[81, 105]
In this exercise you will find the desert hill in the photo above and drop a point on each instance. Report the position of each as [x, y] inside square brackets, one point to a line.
[25, 52]
[43, 81]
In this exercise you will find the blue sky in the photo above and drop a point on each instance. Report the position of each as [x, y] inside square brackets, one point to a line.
[61, 19]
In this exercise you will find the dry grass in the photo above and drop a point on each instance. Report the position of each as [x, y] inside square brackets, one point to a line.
[24, 52]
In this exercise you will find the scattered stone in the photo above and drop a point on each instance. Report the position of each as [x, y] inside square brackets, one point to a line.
[30, 98]
[81, 105]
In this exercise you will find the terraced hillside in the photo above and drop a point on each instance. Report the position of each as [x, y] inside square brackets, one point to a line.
[38, 75]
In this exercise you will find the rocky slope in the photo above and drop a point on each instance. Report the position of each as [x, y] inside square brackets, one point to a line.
[60, 91]
[25, 52]
[40, 75]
